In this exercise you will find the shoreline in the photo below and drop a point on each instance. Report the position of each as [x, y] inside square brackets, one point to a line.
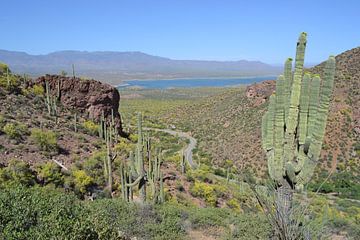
[126, 82]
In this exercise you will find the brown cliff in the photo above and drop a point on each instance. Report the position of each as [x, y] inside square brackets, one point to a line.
[88, 97]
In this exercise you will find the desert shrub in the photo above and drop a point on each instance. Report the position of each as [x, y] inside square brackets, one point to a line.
[94, 167]
[111, 219]
[90, 127]
[3, 68]
[250, 226]
[19, 172]
[37, 90]
[10, 83]
[124, 146]
[133, 137]
[169, 224]
[205, 191]
[15, 131]
[208, 217]
[50, 173]
[45, 139]
[234, 204]
[82, 181]
[42, 213]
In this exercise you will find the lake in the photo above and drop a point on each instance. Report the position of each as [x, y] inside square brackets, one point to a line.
[194, 82]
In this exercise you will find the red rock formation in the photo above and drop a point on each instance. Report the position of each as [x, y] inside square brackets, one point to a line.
[259, 92]
[88, 97]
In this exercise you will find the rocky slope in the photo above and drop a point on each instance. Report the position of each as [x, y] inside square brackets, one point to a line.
[89, 97]
[25, 110]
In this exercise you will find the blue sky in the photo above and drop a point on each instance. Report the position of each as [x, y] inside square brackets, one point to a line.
[183, 29]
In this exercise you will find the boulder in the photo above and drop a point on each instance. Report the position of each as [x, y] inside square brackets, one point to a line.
[89, 97]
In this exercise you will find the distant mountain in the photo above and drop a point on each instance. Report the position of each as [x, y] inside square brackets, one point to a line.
[114, 67]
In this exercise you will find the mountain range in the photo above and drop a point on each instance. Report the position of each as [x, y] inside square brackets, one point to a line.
[115, 67]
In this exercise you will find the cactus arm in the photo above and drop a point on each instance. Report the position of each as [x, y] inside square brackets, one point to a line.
[279, 129]
[269, 141]
[313, 107]
[140, 159]
[323, 109]
[263, 129]
[288, 81]
[292, 120]
[162, 192]
[304, 109]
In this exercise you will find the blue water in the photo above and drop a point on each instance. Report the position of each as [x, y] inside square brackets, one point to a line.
[192, 83]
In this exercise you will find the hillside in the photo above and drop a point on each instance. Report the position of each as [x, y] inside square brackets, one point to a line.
[227, 125]
[48, 166]
[114, 67]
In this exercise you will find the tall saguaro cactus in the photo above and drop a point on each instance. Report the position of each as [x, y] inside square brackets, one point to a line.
[293, 128]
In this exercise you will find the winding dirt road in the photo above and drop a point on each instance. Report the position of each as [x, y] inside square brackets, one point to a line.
[188, 152]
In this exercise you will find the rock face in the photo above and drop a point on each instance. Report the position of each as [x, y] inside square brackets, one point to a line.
[88, 97]
[260, 92]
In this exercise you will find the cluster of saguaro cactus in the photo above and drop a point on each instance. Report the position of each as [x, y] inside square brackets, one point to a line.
[109, 137]
[134, 173]
[293, 128]
[51, 101]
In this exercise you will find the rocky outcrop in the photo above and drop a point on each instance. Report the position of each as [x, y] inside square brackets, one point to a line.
[88, 97]
[260, 92]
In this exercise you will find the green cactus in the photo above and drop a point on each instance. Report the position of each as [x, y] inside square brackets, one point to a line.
[75, 122]
[110, 157]
[73, 70]
[47, 92]
[140, 160]
[58, 91]
[182, 163]
[8, 78]
[162, 192]
[293, 128]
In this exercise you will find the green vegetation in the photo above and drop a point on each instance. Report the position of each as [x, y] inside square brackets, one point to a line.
[26, 212]
[50, 173]
[45, 139]
[344, 184]
[90, 127]
[15, 131]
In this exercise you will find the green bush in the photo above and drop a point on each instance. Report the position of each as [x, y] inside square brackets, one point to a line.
[90, 127]
[46, 140]
[94, 167]
[50, 173]
[37, 90]
[248, 227]
[19, 172]
[42, 213]
[15, 131]
[82, 181]
[13, 80]
[205, 191]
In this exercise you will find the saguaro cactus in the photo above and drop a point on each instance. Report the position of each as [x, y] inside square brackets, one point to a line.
[293, 128]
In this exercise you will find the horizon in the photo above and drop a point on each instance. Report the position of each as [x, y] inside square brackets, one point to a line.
[202, 30]
[308, 64]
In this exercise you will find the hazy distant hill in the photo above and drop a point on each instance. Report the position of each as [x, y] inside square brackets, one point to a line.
[113, 67]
